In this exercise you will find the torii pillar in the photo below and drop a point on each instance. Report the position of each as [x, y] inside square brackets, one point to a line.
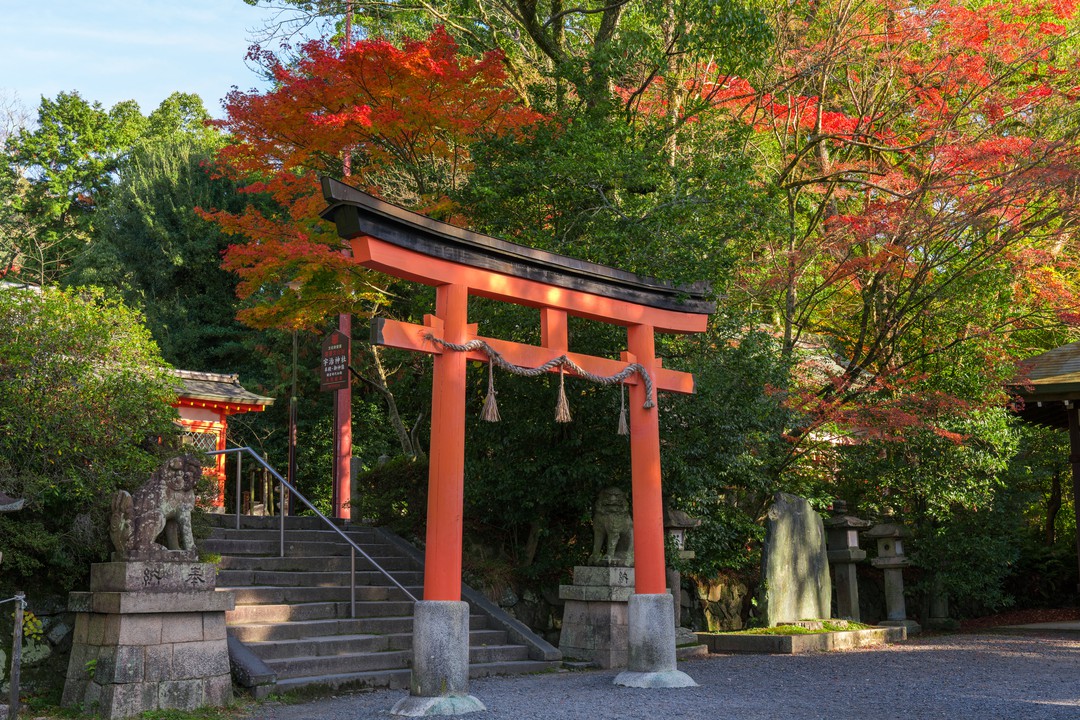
[460, 263]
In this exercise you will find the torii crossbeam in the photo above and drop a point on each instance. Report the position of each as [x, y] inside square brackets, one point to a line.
[459, 263]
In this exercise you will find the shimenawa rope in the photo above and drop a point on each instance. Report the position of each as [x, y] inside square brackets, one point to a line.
[563, 363]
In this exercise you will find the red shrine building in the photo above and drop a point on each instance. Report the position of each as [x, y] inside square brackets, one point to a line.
[205, 402]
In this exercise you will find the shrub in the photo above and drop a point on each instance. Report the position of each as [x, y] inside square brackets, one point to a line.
[84, 410]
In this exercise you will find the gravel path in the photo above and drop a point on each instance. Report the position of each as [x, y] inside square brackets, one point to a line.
[988, 675]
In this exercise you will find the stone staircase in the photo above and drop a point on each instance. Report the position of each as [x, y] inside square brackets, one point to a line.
[293, 612]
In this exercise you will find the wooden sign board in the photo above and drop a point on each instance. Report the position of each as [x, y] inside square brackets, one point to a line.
[335, 362]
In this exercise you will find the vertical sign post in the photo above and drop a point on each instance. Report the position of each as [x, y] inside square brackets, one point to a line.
[334, 378]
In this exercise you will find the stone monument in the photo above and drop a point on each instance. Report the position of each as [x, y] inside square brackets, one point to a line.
[794, 564]
[595, 616]
[150, 634]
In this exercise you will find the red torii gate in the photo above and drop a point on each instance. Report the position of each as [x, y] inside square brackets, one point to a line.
[460, 263]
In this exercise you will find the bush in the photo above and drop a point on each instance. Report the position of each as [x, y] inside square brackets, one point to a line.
[394, 495]
[84, 410]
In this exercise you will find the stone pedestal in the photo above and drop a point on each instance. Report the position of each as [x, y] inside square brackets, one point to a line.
[938, 616]
[149, 636]
[439, 683]
[652, 645]
[595, 624]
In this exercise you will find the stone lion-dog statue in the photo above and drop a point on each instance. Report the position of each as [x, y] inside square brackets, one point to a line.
[613, 530]
[160, 507]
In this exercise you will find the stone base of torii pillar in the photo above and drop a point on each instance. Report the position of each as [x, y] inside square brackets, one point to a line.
[439, 683]
[652, 645]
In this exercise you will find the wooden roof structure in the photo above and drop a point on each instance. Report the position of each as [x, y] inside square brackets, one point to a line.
[223, 391]
[358, 213]
[1052, 386]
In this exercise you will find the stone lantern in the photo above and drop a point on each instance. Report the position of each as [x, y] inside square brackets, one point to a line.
[891, 559]
[842, 533]
[676, 523]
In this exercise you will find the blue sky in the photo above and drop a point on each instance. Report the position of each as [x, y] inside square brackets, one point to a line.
[112, 50]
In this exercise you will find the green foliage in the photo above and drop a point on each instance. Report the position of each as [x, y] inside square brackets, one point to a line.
[68, 160]
[394, 494]
[597, 188]
[159, 256]
[968, 557]
[951, 492]
[723, 445]
[84, 403]
[826, 627]
[69, 163]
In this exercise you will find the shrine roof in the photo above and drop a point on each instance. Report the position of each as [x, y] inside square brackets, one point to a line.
[216, 387]
[1053, 378]
[357, 213]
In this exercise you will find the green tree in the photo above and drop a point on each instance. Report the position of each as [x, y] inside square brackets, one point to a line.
[69, 162]
[14, 224]
[153, 249]
[85, 409]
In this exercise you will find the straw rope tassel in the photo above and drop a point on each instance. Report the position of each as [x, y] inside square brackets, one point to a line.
[624, 428]
[490, 413]
[562, 407]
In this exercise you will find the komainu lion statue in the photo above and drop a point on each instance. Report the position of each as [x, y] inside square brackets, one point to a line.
[613, 530]
[164, 503]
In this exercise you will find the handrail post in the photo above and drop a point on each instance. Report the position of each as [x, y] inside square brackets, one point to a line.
[16, 654]
[283, 487]
[239, 459]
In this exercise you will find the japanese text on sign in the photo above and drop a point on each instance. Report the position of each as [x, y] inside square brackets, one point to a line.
[335, 362]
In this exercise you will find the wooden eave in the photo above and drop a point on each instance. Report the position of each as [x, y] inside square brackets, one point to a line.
[356, 213]
[1052, 385]
[217, 391]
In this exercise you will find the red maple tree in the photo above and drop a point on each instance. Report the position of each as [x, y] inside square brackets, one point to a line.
[926, 161]
[404, 117]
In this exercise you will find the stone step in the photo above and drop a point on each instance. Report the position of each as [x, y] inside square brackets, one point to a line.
[365, 661]
[293, 548]
[515, 667]
[296, 667]
[279, 595]
[478, 637]
[337, 644]
[294, 612]
[255, 632]
[316, 611]
[298, 578]
[493, 654]
[361, 536]
[323, 645]
[397, 679]
[325, 563]
[262, 522]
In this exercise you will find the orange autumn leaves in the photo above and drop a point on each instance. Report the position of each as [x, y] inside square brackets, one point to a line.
[406, 118]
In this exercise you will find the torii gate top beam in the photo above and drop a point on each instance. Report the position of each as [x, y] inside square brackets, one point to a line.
[431, 252]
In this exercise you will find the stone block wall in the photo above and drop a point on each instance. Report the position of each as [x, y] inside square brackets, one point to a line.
[133, 653]
[595, 622]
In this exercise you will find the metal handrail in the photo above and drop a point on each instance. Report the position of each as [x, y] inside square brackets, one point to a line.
[282, 484]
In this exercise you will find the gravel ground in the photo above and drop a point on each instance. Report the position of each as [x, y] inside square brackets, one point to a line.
[987, 675]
